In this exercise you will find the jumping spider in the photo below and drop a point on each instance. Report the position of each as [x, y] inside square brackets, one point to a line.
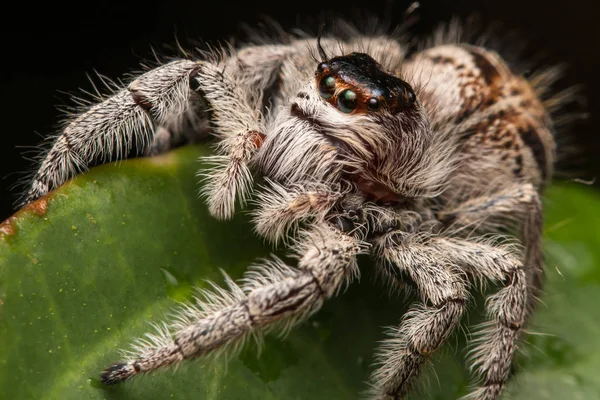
[426, 161]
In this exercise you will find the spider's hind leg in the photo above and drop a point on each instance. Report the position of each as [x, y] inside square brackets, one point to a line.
[486, 260]
[439, 265]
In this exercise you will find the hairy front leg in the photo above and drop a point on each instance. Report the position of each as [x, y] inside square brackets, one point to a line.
[443, 291]
[497, 339]
[108, 131]
[238, 89]
[238, 124]
[438, 264]
[272, 296]
[518, 206]
[282, 208]
[157, 110]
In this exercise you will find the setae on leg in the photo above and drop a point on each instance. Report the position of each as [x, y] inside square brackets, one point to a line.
[273, 296]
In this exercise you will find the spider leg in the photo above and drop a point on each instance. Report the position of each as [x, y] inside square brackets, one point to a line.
[495, 343]
[506, 309]
[238, 125]
[517, 206]
[236, 94]
[108, 130]
[281, 208]
[156, 110]
[191, 127]
[273, 295]
[444, 293]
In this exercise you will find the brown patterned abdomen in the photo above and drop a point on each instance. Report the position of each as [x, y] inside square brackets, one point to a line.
[504, 132]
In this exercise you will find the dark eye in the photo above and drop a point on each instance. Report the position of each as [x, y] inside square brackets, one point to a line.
[407, 98]
[373, 104]
[327, 87]
[322, 67]
[347, 101]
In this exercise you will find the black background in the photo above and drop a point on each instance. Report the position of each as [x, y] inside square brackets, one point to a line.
[48, 48]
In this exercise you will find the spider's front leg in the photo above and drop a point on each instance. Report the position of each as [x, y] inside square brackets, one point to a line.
[167, 105]
[236, 116]
[272, 295]
[421, 257]
[108, 130]
[281, 208]
[236, 97]
[444, 293]
[518, 206]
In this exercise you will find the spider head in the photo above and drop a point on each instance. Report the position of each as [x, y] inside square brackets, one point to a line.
[354, 121]
[356, 83]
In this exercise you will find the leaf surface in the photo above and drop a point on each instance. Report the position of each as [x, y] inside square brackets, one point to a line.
[85, 269]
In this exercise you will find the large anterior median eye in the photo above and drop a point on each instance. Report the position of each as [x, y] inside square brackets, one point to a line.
[327, 87]
[347, 101]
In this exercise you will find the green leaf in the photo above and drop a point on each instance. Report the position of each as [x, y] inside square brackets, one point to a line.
[83, 271]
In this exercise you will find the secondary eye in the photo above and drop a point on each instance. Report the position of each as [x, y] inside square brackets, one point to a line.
[327, 87]
[373, 104]
[322, 67]
[347, 101]
[407, 98]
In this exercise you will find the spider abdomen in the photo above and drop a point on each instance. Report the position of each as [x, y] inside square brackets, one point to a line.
[503, 132]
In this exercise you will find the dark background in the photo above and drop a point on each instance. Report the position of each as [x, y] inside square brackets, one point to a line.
[48, 49]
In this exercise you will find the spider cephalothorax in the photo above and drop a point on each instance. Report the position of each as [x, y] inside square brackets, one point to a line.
[356, 83]
[423, 162]
[363, 124]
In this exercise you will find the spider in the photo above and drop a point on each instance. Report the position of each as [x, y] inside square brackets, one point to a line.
[431, 161]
